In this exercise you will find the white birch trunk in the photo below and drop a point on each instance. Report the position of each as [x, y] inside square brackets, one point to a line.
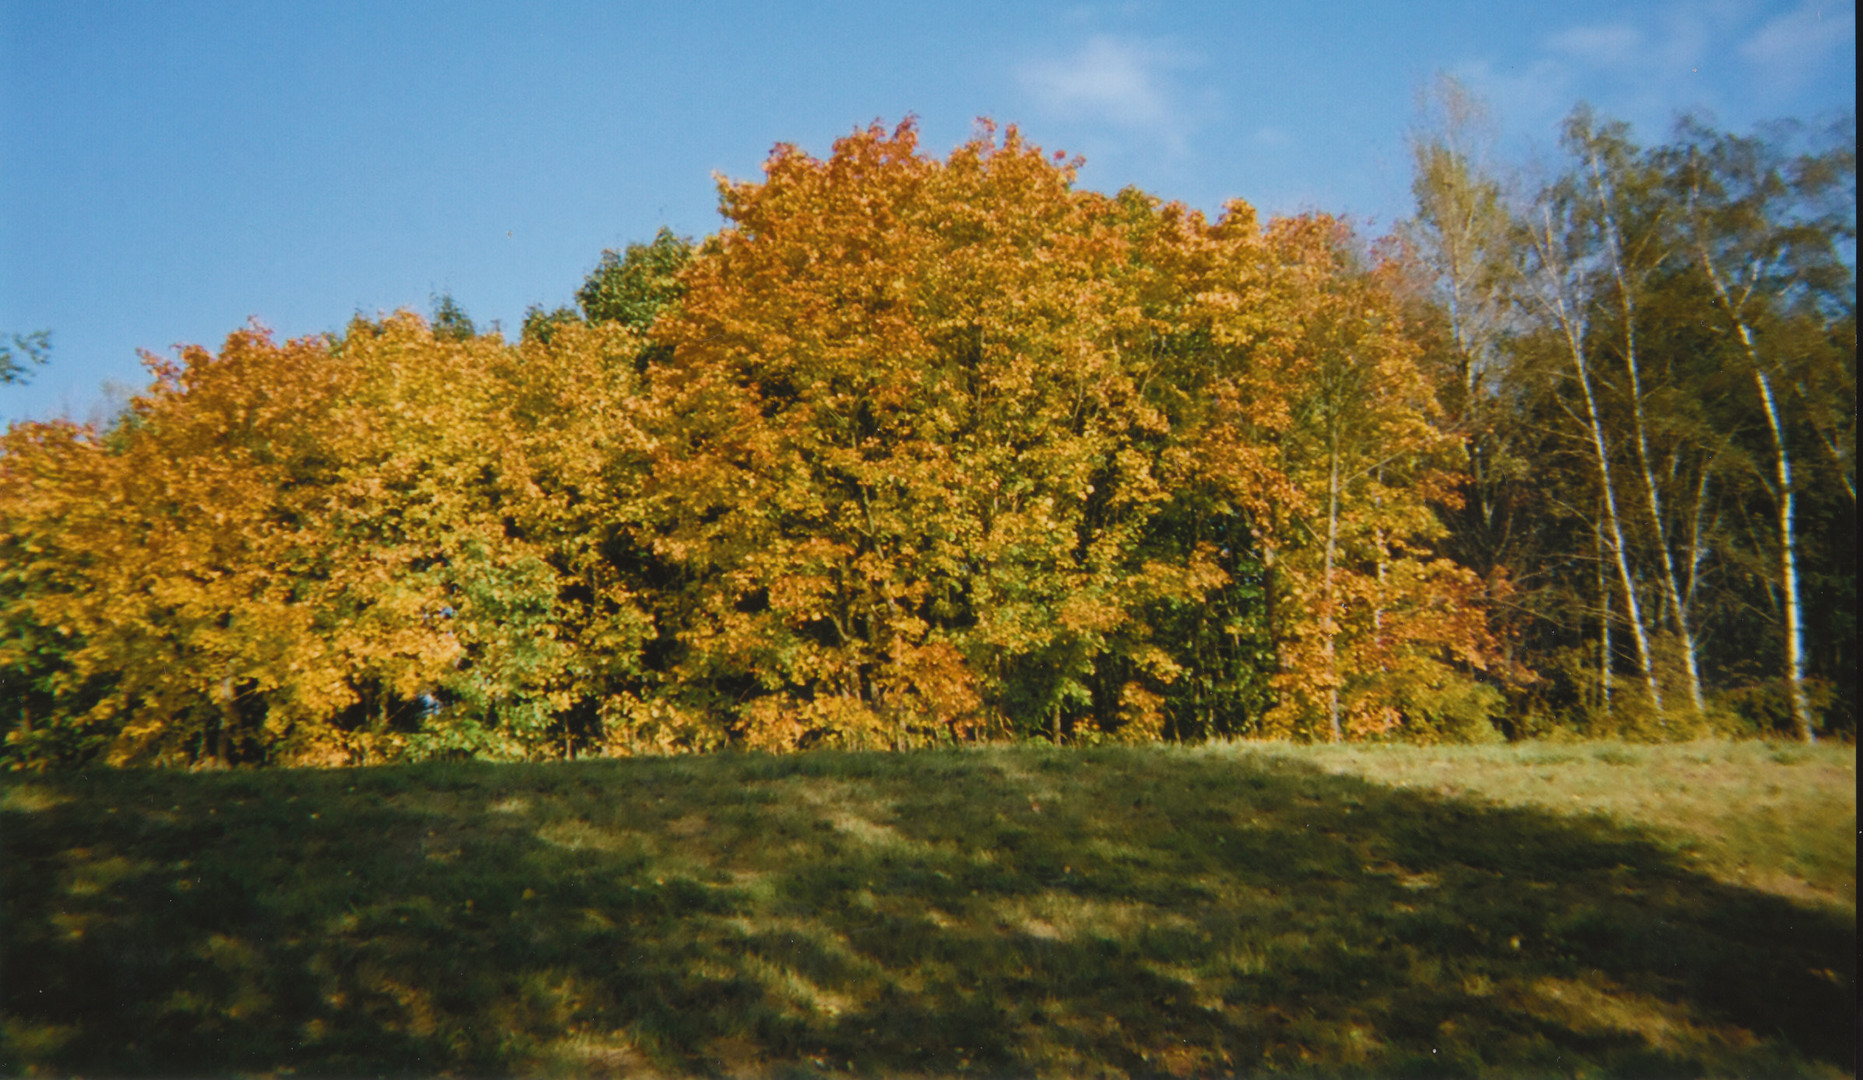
[1330, 615]
[1678, 612]
[1604, 627]
[1782, 478]
[1572, 330]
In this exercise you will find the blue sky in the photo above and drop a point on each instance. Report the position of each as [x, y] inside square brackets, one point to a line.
[170, 170]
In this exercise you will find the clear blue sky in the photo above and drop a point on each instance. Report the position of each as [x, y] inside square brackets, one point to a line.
[169, 170]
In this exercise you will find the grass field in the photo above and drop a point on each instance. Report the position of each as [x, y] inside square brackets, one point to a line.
[1540, 909]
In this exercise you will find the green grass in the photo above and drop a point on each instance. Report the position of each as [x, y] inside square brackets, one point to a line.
[1562, 910]
[1777, 817]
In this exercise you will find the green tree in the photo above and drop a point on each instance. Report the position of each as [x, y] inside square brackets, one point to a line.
[450, 321]
[632, 287]
[541, 324]
[21, 353]
[1762, 228]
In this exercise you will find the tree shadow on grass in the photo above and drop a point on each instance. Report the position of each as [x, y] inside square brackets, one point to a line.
[1007, 912]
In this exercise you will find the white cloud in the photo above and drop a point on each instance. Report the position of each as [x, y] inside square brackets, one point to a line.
[1787, 46]
[1531, 97]
[1678, 43]
[1109, 79]
[1649, 63]
[1117, 81]
[1600, 45]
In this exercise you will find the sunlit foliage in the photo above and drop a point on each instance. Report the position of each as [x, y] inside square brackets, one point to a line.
[921, 451]
[323, 551]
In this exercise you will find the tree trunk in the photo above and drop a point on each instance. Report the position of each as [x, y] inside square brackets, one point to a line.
[1672, 592]
[1560, 307]
[1788, 547]
[1652, 498]
[1788, 554]
[229, 717]
[1601, 451]
[1329, 621]
[1604, 628]
[1377, 611]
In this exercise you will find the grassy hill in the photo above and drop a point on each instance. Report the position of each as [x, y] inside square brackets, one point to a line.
[1537, 909]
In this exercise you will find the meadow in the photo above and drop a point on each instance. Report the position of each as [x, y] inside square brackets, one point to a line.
[1556, 909]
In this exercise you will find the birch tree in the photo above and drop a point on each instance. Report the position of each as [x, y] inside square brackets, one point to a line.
[1609, 171]
[1750, 222]
[1556, 289]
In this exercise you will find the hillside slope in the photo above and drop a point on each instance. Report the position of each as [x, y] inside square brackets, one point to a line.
[1022, 911]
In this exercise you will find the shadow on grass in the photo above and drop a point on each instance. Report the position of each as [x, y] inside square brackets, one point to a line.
[1141, 912]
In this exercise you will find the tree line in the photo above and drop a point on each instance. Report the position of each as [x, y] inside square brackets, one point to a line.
[920, 452]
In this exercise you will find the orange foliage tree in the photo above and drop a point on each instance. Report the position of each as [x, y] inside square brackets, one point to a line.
[322, 551]
[912, 451]
[1315, 463]
[929, 427]
[898, 469]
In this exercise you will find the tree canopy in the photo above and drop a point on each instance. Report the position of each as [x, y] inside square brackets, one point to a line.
[918, 451]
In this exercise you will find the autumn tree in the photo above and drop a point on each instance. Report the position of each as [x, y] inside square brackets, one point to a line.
[903, 471]
[921, 450]
[1463, 248]
[327, 550]
[1326, 438]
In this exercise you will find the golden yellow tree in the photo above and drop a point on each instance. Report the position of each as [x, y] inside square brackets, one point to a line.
[328, 551]
[901, 467]
[1320, 431]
